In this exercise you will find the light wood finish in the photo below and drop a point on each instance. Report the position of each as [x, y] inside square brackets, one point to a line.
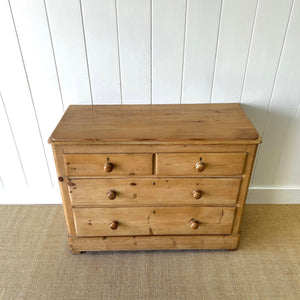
[153, 220]
[213, 164]
[221, 122]
[111, 194]
[61, 174]
[108, 167]
[114, 224]
[111, 243]
[244, 187]
[155, 191]
[97, 164]
[155, 148]
[197, 194]
[154, 177]
[200, 166]
[159, 142]
[194, 224]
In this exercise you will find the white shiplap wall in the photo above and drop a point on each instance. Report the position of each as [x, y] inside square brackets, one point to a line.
[54, 53]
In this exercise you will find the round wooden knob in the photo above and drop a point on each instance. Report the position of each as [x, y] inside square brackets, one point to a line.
[108, 167]
[194, 224]
[200, 166]
[197, 194]
[114, 224]
[111, 194]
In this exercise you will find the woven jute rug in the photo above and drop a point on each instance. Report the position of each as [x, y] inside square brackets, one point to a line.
[35, 261]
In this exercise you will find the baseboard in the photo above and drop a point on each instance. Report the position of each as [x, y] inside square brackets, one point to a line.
[30, 196]
[52, 196]
[273, 196]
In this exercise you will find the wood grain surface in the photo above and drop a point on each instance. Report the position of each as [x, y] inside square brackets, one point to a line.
[123, 164]
[154, 170]
[142, 123]
[153, 220]
[155, 191]
[172, 242]
[214, 164]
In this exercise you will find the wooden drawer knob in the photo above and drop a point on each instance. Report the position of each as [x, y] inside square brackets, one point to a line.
[194, 224]
[197, 194]
[114, 224]
[108, 167]
[200, 166]
[111, 194]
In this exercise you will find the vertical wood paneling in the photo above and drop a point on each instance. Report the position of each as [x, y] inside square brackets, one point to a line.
[264, 58]
[17, 99]
[134, 39]
[68, 40]
[201, 40]
[10, 166]
[282, 109]
[236, 25]
[288, 171]
[168, 26]
[99, 17]
[32, 29]
[55, 53]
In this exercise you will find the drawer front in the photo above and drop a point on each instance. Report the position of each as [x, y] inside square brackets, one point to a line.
[155, 191]
[153, 221]
[200, 164]
[108, 164]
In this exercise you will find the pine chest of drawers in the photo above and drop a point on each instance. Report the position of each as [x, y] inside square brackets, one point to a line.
[154, 176]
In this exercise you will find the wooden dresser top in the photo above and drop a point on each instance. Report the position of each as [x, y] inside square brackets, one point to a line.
[195, 123]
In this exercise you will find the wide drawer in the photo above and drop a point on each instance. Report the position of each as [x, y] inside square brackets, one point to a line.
[200, 164]
[153, 221]
[108, 164]
[155, 191]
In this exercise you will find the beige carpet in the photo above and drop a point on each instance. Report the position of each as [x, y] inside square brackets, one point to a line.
[35, 262]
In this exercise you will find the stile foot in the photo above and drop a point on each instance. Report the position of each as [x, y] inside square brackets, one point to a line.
[76, 251]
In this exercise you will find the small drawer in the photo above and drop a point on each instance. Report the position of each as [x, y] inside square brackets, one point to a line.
[153, 221]
[87, 165]
[200, 164]
[155, 191]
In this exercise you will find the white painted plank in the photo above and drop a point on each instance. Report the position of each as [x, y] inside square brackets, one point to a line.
[68, 41]
[288, 171]
[201, 41]
[18, 102]
[234, 38]
[99, 18]
[134, 39]
[269, 32]
[32, 27]
[10, 167]
[168, 23]
[282, 110]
